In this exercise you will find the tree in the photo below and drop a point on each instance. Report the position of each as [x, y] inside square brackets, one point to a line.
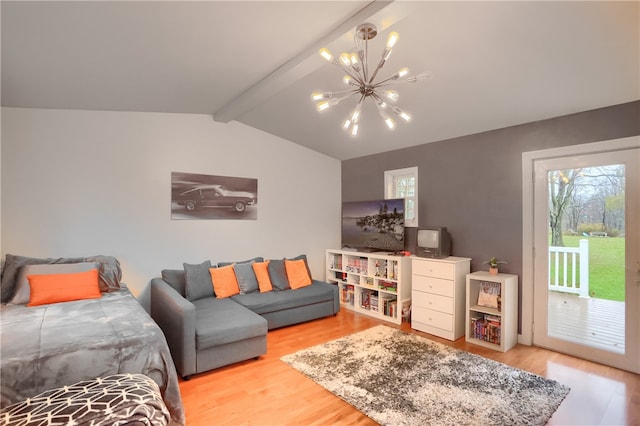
[561, 187]
[594, 193]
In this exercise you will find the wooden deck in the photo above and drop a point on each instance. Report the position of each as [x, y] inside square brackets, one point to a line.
[591, 322]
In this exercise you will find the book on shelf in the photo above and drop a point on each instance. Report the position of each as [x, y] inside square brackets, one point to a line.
[336, 261]
[489, 294]
[486, 327]
[373, 300]
[390, 306]
[365, 301]
[346, 294]
[388, 286]
[358, 265]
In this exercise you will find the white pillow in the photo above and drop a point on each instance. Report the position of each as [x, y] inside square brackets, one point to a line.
[22, 292]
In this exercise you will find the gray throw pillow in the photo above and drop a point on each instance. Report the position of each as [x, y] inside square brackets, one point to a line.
[278, 275]
[23, 291]
[198, 284]
[175, 278]
[247, 281]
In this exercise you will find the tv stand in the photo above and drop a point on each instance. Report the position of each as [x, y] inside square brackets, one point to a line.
[377, 284]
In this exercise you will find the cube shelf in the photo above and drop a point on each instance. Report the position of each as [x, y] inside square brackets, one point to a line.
[376, 284]
[492, 310]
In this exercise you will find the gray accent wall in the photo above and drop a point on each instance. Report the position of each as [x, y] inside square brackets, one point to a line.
[473, 184]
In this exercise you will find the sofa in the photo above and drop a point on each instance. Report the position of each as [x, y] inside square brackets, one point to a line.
[216, 315]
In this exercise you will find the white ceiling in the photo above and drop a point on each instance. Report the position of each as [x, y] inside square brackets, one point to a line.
[495, 64]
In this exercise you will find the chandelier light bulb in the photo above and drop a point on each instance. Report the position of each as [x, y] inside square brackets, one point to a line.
[355, 116]
[318, 96]
[346, 124]
[324, 52]
[324, 105]
[348, 80]
[427, 75]
[392, 95]
[355, 61]
[344, 59]
[390, 123]
[400, 113]
[391, 41]
[321, 106]
[354, 130]
[401, 73]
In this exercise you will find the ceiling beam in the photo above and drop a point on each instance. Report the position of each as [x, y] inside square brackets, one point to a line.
[295, 68]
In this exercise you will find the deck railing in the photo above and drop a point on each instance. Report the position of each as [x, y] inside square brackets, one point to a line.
[569, 269]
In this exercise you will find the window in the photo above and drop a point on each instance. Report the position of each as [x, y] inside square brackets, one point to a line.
[403, 183]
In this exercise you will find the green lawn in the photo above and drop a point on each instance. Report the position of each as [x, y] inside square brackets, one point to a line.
[606, 266]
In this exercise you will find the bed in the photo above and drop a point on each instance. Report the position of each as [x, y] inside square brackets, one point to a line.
[52, 345]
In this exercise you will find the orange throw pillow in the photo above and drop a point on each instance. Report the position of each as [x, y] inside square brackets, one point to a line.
[297, 273]
[54, 288]
[262, 274]
[225, 283]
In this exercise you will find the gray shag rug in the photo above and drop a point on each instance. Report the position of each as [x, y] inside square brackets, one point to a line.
[397, 378]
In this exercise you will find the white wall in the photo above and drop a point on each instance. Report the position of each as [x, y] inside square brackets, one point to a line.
[78, 183]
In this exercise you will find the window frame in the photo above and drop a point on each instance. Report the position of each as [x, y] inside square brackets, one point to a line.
[390, 177]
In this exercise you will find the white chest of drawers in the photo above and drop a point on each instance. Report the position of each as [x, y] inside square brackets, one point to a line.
[438, 295]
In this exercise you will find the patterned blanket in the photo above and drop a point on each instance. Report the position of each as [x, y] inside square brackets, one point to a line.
[120, 399]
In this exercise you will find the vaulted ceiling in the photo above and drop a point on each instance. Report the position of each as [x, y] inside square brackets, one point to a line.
[494, 64]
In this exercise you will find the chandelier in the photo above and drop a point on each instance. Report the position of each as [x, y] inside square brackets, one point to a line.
[363, 84]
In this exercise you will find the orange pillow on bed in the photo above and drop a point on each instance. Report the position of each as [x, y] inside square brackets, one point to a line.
[297, 273]
[225, 283]
[262, 274]
[54, 288]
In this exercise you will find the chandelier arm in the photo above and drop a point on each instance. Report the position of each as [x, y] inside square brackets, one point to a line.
[378, 68]
[355, 76]
[377, 97]
[365, 62]
[386, 80]
[384, 84]
[348, 91]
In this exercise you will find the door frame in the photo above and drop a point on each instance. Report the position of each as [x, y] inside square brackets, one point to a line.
[528, 270]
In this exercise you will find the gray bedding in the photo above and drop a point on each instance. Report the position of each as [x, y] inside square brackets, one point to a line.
[49, 346]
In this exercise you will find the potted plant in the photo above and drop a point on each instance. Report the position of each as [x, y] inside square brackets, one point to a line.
[493, 265]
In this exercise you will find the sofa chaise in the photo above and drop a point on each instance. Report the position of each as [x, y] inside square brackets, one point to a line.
[215, 315]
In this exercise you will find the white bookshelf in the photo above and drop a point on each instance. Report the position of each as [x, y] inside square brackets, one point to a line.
[495, 328]
[375, 284]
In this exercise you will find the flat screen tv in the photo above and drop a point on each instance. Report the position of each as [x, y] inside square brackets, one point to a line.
[433, 242]
[376, 225]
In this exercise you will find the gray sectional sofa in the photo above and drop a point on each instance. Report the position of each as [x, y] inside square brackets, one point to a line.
[205, 332]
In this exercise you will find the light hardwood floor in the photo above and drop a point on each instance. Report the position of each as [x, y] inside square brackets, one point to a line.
[269, 392]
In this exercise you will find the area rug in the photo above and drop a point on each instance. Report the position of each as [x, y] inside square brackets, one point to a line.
[397, 378]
